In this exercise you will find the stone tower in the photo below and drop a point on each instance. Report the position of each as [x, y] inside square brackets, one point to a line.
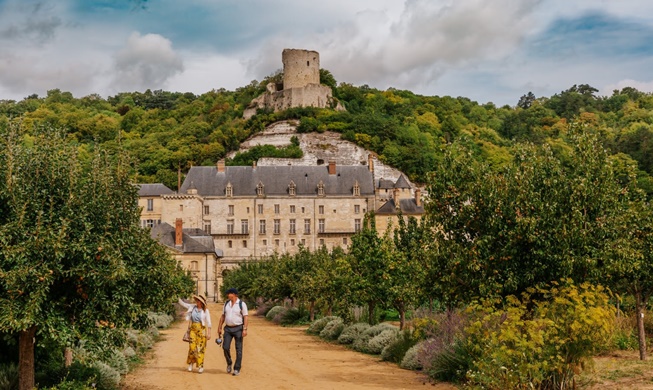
[300, 68]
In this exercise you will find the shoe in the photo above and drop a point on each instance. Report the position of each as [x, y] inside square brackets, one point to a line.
[228, 369]
[201, 370]
[190, 367]
[236, 372]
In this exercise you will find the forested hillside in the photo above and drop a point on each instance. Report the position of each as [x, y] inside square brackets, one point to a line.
[167, 131]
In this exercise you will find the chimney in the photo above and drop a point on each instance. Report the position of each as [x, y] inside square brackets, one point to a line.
[179, 240]
[332, 167]
[370, 162]
[395, 196]
[220, 165]
[418, 197]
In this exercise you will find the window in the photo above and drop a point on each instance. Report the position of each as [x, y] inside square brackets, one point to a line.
[244, 228]
[304, 241]
[357, 209]
[302, 210]
[276, 242]
[307, 226]
[260, 209]
[248, 210]
[181, 207]
[265, 242]
[230, 226]
[206, 210]
[320, 189]
[357, 225]
[321, 241]
[276, 209]
[292, 226]
[292, 188]
[320, 209]
[292, 209]
[244, 243]
[320, 228]
[261, 226]
[207, 228]
[149, 223]
[292, 242]
[150, 204]
[231, 210]
[260, 189]
[229, 244]
[277, 226]
[229, 190]
[194, 266]
[344, 241]
[357, 189]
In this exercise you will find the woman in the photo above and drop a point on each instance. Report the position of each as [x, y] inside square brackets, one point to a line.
[200, 331]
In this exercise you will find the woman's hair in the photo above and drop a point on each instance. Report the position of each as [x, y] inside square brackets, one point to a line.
[199, 304]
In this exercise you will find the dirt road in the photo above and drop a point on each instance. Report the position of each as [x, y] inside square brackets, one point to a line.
[274, 357]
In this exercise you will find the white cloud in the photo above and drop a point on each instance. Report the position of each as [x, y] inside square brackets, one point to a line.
[642, 86]
[147, 61]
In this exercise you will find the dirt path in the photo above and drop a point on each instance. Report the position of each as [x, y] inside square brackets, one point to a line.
[274, 357]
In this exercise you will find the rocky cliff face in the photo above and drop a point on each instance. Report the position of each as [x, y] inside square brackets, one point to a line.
[319, 149]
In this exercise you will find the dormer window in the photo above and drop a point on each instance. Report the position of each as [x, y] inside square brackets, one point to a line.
[357, 189]
[260, 189]
[292, 188]
[229, 191]
[320, 188]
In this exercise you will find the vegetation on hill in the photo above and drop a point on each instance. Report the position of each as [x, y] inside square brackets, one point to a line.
[170, 131]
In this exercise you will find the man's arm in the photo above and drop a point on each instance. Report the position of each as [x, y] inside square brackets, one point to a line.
[220, 325]
[245, 321]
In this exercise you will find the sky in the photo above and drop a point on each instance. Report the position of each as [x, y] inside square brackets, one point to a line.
[485, 50]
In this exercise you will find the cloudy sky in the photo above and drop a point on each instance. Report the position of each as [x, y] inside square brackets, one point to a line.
[486, 50]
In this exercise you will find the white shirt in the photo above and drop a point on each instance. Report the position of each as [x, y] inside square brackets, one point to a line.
[206, 316]
[232, 314]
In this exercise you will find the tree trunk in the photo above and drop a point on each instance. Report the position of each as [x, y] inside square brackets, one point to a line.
[68, 357]
[370, 312]
[330, 310]
[26, 359]
[311, 311]
[641, 307]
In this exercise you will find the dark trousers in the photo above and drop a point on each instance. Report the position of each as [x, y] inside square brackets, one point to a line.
[235, 332]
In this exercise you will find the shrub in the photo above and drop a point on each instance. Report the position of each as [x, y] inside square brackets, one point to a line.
[81, 373]
[410, 360]
[108, 378]
[441, 332]
[128, 352]
[539, 342]
[625, 337]
[71, 385]
[274, 311]
[116, 360]
[145, 341]
[263, 308]
[395, 351]
[294, 316]
[9, 376]
[361, 343]
[382, 340]
[319, 324]
[159, 320]
[153, 331]
[350, 333]
[332, 329]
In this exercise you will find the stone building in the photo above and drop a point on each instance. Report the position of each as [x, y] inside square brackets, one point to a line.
[301, 85]
[149, 200]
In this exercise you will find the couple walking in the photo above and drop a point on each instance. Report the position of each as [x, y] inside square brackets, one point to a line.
[234, 317]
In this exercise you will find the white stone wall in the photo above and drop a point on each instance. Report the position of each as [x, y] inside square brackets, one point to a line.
[300, 68]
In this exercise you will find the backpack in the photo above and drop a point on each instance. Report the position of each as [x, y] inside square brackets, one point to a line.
[240, 304]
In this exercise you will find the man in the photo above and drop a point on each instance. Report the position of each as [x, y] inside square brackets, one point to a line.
[234, 316]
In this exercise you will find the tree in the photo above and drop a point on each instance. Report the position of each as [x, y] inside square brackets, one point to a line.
[72, 254]
[526, 100]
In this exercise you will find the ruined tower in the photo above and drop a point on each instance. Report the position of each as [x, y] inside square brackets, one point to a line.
[300, 68]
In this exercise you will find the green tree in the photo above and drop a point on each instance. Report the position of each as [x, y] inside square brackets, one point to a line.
[72, 253]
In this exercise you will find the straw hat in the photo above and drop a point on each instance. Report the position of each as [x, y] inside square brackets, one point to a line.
[200, 298]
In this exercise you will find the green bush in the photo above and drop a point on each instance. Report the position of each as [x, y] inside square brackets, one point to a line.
[538, 342]
[274, 311]
[361, 344]
[332, 329]
[116, 360]
[319, 324]
[350, 333]
[159, 320]
[108, 378]
[625, 336]
[129, 352]
[395, 351]
[9, 376]
[410, 360]
[294, 316]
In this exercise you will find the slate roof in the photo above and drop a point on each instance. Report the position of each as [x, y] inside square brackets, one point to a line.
[194, 240]
[386, 184]
[402, 182]
[408, 206]
[156, 189]
[276, 179]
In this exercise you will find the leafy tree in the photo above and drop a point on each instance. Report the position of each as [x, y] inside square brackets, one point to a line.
[72, 254]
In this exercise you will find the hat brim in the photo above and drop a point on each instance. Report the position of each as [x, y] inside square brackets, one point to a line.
[201, 299]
